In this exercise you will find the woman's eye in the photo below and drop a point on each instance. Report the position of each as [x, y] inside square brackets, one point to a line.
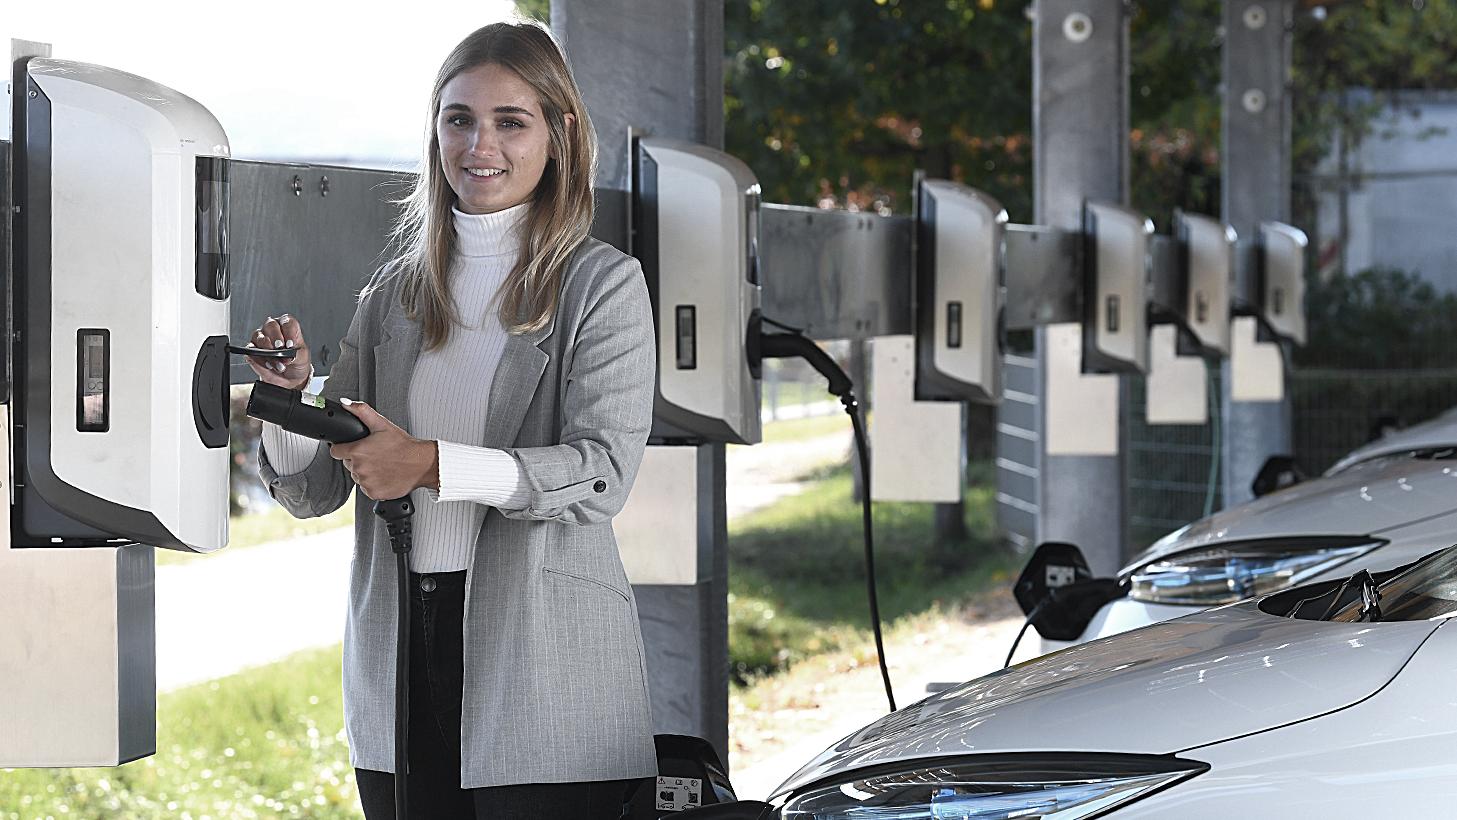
[459, 121]
[511, 124]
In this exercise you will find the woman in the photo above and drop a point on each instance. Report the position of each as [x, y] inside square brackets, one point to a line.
[503, 362]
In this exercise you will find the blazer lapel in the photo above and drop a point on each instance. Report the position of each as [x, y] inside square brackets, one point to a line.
[515, 384]
[394, 362]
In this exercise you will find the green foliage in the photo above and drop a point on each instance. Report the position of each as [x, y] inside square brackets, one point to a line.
[797, 569]
[842, 101]
[535, 9]
[1380, 45]
[1174, 108]
[1375, 319]
[265, 743]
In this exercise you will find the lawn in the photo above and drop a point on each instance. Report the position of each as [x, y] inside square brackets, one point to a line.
[796, 570]
[267, 742]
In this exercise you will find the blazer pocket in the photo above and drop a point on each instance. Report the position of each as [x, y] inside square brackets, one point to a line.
[582, 580]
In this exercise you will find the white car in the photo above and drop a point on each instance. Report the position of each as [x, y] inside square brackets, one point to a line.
[1384, 505]
[1330, 700]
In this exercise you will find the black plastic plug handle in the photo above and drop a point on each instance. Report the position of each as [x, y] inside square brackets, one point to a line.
[305, 413]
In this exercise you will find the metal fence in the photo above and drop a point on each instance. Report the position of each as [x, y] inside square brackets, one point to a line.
[1333, 412]
[1172, 468]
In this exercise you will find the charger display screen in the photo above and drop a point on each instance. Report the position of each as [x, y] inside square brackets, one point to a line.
[93, 374]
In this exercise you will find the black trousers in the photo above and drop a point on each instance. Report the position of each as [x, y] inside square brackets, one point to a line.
[437, 610]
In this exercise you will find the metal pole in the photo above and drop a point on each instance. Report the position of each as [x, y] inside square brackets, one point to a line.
[1256, 187]
[657, 66]
[1080, 133]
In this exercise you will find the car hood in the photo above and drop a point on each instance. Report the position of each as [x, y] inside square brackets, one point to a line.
[1169, 687]
[1429, 435]
[1366, 499]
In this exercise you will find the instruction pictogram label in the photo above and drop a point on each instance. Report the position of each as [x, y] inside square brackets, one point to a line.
[679, 793]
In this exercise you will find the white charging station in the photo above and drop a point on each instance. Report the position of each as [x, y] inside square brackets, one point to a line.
[121, 427]
[695, 230]
[1282, 279]
[1206, 256]
[1177, 389]
[959, 293]
[118, 425]
[1115, 288]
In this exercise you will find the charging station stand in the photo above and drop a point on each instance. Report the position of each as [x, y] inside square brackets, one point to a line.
[79, 648]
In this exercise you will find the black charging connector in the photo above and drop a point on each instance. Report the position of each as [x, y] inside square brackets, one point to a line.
[327, 420]
[797, 345]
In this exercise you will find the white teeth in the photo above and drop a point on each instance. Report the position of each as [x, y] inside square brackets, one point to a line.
[485, 172]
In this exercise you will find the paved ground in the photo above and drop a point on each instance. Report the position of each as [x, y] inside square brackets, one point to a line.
[803, 712]
[225, 612]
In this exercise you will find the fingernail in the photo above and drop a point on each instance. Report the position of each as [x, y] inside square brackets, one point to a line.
[288, 343]
[346, 401]
[283, 320]
[278, 343]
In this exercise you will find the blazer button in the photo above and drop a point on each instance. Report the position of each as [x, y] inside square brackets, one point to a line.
[599, 487]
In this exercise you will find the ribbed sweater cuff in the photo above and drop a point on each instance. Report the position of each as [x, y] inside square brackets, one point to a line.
[289, 453]
[484, 475]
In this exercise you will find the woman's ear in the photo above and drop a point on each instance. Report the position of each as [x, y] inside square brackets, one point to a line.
[568, 119]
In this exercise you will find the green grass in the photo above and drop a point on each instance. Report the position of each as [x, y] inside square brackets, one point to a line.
[264, 743]
[796, 570]
[273, 524]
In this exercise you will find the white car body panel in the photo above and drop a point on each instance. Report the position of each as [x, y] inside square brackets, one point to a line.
[1391, 755]
[1209, 677]
[1432, 434]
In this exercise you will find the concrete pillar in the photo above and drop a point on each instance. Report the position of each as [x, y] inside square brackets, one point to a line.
[657, 66]
[1256, 137]
[1080, 134]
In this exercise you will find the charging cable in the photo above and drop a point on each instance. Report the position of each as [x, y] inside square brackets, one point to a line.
[328, 421]
[797, 345]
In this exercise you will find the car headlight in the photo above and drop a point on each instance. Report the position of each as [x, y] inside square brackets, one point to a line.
[1225, 574]
[1023, 786]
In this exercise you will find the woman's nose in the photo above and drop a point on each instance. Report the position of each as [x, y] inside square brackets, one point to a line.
[483, 142]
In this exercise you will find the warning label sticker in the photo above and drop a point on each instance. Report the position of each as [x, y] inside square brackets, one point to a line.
[679, 793]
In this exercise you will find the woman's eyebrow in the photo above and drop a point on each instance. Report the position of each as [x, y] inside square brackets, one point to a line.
[512, 109]
[500, 109]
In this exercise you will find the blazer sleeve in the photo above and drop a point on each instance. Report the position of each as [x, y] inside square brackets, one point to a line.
[606, 408]
[324, 485]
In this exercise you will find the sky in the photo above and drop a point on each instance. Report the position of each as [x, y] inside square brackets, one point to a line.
[320, 81]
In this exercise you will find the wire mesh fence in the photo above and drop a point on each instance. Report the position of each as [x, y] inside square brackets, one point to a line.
[1172, 469]
[1172, 474]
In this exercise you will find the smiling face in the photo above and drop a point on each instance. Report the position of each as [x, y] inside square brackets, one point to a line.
[494, 141]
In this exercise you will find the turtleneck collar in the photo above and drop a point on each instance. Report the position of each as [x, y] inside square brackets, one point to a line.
[488, 234]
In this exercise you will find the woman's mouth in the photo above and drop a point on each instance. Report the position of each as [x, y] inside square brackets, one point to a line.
[484, 173]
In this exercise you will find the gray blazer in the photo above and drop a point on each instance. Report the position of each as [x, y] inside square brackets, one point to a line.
[555, 683]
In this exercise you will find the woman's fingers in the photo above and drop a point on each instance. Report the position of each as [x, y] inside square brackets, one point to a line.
[290, 331]
[278, 333]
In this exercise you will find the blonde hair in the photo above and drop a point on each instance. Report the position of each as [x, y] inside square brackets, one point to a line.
[558, 219]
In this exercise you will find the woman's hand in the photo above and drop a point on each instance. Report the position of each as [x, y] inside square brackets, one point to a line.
[388, 463]
[275, 334]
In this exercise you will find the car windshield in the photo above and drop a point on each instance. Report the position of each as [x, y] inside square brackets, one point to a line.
[1424, 592]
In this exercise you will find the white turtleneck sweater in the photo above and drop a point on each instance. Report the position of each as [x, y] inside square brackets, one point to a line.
[448, 397]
